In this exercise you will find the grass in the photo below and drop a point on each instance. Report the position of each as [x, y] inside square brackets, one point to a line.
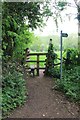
[42, 57]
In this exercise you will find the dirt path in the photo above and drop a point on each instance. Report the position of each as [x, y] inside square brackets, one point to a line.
[43, 102]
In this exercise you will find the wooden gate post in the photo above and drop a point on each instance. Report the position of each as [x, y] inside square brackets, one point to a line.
[37, 64]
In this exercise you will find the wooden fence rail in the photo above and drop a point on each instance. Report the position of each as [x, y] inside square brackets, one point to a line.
[37, 61]
[37, 67]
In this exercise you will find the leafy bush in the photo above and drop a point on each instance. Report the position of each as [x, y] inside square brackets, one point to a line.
[71, 58]
[13, 89]
[51, 57]
[70, 83]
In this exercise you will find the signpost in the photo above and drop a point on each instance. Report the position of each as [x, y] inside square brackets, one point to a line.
[61, 35]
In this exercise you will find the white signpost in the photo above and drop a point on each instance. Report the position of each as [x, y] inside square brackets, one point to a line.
[61, 36]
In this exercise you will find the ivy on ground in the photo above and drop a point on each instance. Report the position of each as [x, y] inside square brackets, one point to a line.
[70, 83]
[13, 89]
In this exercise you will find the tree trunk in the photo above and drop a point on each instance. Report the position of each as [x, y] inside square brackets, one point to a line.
[78, 9]
[79, 29]
[79, 34]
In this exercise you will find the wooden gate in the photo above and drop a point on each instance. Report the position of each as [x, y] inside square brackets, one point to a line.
[36, 61]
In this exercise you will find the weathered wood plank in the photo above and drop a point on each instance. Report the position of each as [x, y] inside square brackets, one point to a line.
[35, 60]
[31, 54]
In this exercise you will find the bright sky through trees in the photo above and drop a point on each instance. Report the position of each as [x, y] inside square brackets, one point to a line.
[69, 25]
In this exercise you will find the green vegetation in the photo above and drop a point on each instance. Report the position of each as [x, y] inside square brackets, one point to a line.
[51, 56]
[70, 83]
[14, 90]
[18, 20]
[43, 57]
[41, 43]
[34, 58]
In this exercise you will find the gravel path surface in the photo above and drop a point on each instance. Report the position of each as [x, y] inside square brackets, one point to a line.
[43, 102]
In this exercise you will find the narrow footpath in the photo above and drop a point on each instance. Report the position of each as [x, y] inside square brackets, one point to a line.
[43, 102]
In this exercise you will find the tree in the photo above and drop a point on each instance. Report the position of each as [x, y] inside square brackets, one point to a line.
[15, 39]
[77, 3]
[16, 33]
[22, 11]
[56, 7]
[78, 17]
[15, 16]
[60, 6]
[16, 36]
[49, 70]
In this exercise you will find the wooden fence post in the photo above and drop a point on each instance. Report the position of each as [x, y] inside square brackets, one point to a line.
[38, 65]
[37, 61]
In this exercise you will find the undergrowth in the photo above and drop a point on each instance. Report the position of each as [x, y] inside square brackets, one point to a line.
[13, 89]
[70, 83]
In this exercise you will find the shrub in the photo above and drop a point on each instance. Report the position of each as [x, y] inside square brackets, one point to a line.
[71, 58]
[13, 89]
[51, 57]
[70, 83]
